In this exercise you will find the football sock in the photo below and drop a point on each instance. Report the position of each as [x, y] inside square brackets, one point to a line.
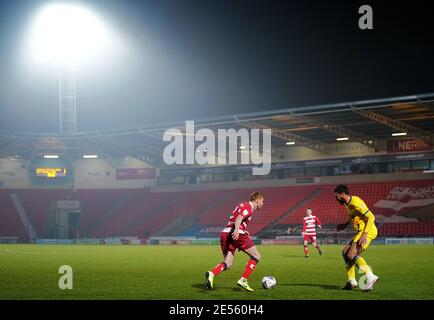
[250, 266]
[306, 251]
[362, 265]
[351, 270]
[219, 268]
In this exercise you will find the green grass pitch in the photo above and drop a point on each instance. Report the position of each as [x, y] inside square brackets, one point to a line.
[177, 272]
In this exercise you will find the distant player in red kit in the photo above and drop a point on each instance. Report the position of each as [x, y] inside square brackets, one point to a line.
[234, 236]
[309, 232]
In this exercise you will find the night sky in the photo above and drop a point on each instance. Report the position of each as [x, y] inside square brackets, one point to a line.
[192, 59]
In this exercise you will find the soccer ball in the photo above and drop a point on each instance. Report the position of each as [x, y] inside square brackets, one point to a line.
[268, 282]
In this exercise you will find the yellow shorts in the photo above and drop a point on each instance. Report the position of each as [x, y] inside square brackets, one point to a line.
[369, 239]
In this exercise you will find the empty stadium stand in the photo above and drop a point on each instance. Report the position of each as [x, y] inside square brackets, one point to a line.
[11, 225]
[140, 212]
[37, 204]
[424, 228]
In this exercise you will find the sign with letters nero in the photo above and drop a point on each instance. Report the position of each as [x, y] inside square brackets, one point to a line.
[407, 145]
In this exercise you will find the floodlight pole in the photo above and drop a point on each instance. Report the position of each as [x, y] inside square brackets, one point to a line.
[67, 99]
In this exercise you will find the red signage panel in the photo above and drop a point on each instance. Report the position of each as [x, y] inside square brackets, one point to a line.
[408, 145]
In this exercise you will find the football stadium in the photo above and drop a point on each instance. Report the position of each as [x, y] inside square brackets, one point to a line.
[124, 221]
[136, 211]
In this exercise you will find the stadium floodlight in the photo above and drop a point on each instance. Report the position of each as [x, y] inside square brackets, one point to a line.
[342, 139]
[51, 156]
[290, 143]
[67, 35]
[397, 134]
[90, 156]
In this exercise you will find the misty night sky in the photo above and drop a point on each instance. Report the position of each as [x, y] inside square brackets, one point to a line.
[191, 59]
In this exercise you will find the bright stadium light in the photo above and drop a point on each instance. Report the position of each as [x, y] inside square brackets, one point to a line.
[342, 139]
[397, 134]
[90, 156]
[290, 143]
[51, 156]
[67, 33]
[69, 36]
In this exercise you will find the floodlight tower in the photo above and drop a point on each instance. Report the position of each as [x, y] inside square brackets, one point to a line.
[67, 35]
[67, 99]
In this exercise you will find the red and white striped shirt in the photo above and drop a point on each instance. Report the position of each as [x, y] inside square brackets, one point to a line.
[309, 225]
[246, 210]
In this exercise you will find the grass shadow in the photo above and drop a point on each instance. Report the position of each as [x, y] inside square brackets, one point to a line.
[294, 256]
[203, 288]
[200, 286]
[297, 256]
[322, 286]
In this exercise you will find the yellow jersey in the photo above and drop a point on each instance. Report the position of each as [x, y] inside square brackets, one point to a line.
[361, 217]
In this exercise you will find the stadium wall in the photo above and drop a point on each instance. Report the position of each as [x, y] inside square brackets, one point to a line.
[346, 149]
[13, 174]
[101, 174]
[88, 174]
[215, 241]
[93, 174]
[337, 150]
[293, 182]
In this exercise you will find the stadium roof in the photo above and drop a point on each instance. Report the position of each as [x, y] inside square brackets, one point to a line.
[364, 121]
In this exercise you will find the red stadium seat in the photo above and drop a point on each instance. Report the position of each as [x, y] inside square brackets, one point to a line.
[128, 212]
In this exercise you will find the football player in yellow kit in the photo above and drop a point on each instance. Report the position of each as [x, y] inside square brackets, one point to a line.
[363, 222]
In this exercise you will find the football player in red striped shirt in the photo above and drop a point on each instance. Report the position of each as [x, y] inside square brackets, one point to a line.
[309, 231]
[235, 236]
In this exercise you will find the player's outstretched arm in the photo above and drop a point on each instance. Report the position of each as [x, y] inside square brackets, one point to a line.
[318, 222]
